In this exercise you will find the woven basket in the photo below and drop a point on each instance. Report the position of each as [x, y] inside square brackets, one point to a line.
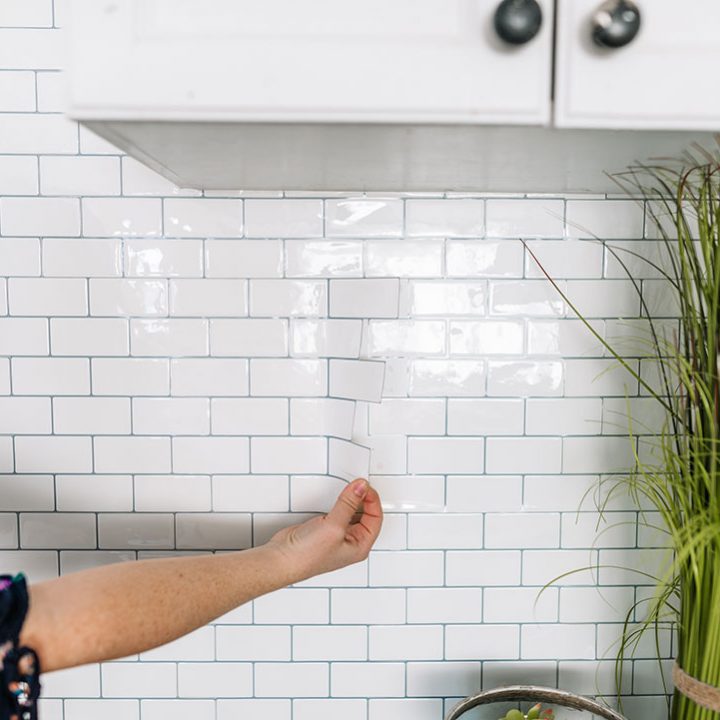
[533, 693]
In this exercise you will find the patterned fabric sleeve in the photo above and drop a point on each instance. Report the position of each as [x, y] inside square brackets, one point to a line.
[19, 666]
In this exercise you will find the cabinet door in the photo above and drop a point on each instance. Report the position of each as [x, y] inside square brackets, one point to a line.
[433, 61]
[664, 78]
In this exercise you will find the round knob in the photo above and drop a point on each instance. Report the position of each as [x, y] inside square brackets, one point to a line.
[616, 23]
[518, 21]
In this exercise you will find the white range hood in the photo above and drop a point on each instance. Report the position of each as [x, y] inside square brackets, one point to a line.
[404, 95]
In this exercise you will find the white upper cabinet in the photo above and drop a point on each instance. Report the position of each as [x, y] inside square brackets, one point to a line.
[664, 78]
[392, 61]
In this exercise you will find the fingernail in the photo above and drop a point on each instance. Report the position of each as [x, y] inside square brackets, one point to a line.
[360, 488]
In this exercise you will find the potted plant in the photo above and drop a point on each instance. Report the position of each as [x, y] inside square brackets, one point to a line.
[679, 477]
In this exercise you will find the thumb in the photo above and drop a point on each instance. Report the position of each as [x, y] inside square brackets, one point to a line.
[349, 502]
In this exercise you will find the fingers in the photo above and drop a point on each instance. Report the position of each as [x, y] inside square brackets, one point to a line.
[349, 502]
[366, 531]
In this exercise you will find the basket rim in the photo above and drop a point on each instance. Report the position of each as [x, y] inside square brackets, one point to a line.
[538, 693]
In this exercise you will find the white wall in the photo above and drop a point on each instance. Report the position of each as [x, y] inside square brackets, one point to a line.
[163, 359]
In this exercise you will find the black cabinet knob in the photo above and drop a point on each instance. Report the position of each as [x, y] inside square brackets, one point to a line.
[518, 21]
[615, 23]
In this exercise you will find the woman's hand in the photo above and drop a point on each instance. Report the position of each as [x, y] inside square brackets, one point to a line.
[342, 537]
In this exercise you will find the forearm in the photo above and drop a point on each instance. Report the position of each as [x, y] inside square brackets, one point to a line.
[122, 609]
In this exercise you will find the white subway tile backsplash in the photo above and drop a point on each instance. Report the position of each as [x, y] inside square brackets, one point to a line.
[325, 338]
[213, 531]
[164, 258]
[482, 568]
[210, 455]
[404, 258]
[487, 493]
[250, 317]
[248, 338]
[24, 216]
[433, 378]
[42, 454]
[482, 642]
[129, 376]
[376, 679]
[446, 218]
[368, 606]
[171, 416]
[324, 258]
[296, 680]
[18, 173]
[517, 605]
[176, 337]
[239, 643]
[364, 298]
[24, 336]
[94, 493]
[180, 709]
[208, 298]
[17, 94]
[414, 569]
[524, 218]
[406, 337]
[288, 455]
[446, 530]
[405, 709]
[446, 455]
[525, 297]
[564, 259]
[243, 258]
[63, 257]
[248, 416]
[89, 336]
[486, 337]
[606, 219]
[288, 298]
[484, 258]
[215, 680]
[25, 133]
[122, 679]
[523, 378]
[250, 493]
[563, 416]
[51, 376]
[79, 175]
[41, 296]
[293, 606]
[131, 454]
[68, 530]
[135, 531]
[523, 455]
[360, 217]
[91, 415]
[109, 709]
[126, 217]
[19, 256]
[283, 218]
[267, 709]
[34, 493]
[293, 378]
[209, 377]
[202, 218]
[522, 530]
[128, 297]
[326, 709]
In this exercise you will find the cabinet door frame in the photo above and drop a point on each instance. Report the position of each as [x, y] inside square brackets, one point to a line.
[651, 84]
[148, 61]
